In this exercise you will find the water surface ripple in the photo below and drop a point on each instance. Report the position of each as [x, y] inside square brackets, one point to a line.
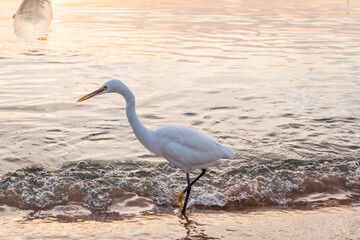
[276, 80]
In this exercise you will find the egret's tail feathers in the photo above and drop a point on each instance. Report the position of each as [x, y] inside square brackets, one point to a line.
[229, 152]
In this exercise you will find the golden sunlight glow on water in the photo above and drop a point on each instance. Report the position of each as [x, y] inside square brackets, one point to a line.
[276, 80]
[269, 58]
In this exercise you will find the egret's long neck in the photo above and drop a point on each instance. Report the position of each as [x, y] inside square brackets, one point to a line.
[144, 135]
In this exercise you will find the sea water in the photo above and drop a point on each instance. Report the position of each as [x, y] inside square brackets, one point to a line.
[278, 81]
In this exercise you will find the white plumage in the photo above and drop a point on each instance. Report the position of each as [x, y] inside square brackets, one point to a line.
[32, 19]
[189, 149]
[182, 146]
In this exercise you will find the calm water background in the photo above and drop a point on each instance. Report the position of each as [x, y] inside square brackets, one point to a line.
[276, 80]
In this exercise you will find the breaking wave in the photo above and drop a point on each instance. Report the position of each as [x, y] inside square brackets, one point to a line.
[97, 185]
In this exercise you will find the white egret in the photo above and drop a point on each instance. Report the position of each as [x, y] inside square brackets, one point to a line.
[32, 19]
[182, 146]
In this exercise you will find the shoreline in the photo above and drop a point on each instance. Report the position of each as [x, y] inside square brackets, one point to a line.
[339, 222]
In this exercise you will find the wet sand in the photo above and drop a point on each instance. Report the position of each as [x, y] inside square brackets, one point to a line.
[324, 223]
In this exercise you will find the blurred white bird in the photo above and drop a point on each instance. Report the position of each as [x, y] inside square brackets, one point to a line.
[184, 147]
[32, 19]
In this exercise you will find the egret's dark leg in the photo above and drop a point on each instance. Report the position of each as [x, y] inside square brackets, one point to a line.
[181, 195]
[187, 194]
[195, 180]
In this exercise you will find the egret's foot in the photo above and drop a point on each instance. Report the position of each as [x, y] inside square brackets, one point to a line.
[181, 198]
[45, 38]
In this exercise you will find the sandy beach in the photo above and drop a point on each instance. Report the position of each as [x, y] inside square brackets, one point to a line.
[325, 223]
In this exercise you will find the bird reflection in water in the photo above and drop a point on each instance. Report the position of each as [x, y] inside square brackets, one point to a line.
[32, 19]
[193, 229]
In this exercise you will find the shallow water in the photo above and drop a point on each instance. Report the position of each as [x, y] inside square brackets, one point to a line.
[276, 80]
[325, 223]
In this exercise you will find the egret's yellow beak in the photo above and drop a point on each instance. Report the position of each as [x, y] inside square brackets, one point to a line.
[90, 95]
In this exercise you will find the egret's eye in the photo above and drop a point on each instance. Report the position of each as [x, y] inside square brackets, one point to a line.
[104, 88]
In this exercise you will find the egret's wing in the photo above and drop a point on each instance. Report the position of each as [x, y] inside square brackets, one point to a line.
[188, 146]
[188, 157]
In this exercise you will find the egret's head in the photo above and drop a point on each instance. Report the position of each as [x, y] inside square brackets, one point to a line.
[108, 87]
